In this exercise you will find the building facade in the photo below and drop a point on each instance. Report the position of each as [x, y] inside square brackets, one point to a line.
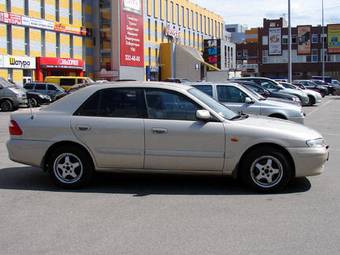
[40, 38]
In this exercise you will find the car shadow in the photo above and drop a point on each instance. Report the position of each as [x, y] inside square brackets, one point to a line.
[34, 179]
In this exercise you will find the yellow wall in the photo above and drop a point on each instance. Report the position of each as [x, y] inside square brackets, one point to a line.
[50, 38]
[65, 5]
[50, 16]
[18, 35]
[32, 11]
[3, 39]
[18, 76]
[64, 42]
[35, 38]
[77, 43]
[3, 73]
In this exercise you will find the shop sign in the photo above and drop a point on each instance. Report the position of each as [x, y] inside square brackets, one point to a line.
[304, 40]
[131, 33]
[9, 61]
[212, 52]
[275, 41]
[172, 32]
[333, 39]
[65, 63]
[15, 19]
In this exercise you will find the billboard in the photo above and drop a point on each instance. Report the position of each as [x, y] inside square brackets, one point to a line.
[304, 40]
[131, 33]
[212, 52]
[333, 39]
[275, 41]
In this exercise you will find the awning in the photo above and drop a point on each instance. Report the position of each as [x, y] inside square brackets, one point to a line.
[197, 55]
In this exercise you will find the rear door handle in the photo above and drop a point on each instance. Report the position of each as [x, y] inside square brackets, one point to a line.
[159, 131]
[83, 128]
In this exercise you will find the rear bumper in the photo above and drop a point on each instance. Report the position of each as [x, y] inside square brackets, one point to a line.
[309, 161]
[27, 152]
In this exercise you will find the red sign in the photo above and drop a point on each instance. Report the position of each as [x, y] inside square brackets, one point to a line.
[131, 33]
[66, 63]
[11, 18]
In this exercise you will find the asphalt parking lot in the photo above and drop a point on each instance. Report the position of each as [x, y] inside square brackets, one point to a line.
[157, 214]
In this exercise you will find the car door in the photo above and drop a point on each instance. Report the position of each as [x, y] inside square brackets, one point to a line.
[176, 140]
[110, 123]
[235, 99]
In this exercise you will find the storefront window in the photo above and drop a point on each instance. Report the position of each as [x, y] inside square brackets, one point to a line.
[105, 34]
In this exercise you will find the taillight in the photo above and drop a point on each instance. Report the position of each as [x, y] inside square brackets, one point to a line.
[14, 128]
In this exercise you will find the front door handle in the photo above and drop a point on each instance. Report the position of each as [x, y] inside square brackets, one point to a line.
[159, 131]
[83, 128]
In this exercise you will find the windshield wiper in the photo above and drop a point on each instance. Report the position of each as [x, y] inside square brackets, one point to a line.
[240, 116]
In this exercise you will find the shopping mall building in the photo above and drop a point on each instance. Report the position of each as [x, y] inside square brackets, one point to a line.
[105, 39]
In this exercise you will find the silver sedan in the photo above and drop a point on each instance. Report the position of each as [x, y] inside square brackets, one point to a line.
[243, 100]
[164, 128]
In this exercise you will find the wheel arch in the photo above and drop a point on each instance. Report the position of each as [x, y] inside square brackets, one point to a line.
[278, 115]
[262, 145]
[64, 143]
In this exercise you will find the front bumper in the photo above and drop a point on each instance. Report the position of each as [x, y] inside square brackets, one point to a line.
[309, 161]
[300, 120]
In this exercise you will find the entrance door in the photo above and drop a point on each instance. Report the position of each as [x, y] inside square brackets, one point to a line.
[176, 140]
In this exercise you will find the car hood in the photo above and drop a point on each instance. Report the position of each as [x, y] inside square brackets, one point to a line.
[311, 92]
[295, 92]
[280, 104]
[276, 129]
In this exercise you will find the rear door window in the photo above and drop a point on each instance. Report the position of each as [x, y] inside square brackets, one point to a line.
[229, 94]
[51, 87]
[207, 89]
[67, 82]
[40, 86]
[28, 86]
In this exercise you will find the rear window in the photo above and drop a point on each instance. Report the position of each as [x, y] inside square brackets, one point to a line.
[51, 87]
[28, 86]
[67, 82]
[207, 89]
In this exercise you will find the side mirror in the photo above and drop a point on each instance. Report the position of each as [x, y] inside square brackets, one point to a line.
[249, 100]
[203, 115]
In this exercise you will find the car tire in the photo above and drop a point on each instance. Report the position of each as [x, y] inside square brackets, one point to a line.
[266, 170]
[70, 167]
[6, 106]
[33, 102]
[311, 100]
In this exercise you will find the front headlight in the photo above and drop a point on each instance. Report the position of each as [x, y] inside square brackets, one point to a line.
[316, 143]
[41, 96]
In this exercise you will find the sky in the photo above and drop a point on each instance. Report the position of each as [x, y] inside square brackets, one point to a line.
[252, 12]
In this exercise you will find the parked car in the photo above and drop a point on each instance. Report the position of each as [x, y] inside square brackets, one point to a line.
[51, 90]
[11, 97]
[336, 85]
[274, 86]
[176, 80]
[66, 82]
[312, 86]
[276, 96]
[36, 99]
[329, 86]
[161, 127]
[242, 100]
[314, 97]
[336, 82]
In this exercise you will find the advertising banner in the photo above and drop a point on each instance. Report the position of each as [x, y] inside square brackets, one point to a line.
[304, 40]
[333, 39]
[65, 63]
[275, 41]
[18, 62]
[131, 33]
[212, 52]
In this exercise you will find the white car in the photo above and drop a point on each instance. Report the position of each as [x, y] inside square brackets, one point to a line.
[164, 128]
[314, 96]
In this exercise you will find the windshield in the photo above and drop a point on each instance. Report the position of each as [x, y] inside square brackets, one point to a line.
[213, 104]
[6, 84]
[288, 86]
[253, 93]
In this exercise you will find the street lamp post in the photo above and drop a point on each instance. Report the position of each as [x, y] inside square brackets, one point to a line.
[323, 42]
[289, 44]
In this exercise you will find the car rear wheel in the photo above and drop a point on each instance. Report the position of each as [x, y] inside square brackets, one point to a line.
[311, 100]
[6, 106]
[266, 170]
[70, 167]
[33, 102]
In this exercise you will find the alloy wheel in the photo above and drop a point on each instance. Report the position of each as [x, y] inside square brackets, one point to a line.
[68, 168]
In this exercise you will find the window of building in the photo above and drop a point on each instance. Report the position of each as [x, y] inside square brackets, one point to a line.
[172, 18]
[166, 10]
[58, 44]
[9, 39]
[71, 11]
[71, 47]
[239, 54]
[26, 7]
[285, 39]
[315, 38]
[294, 39]
[245, 53]
[149, 30]
[196, 21]
[208, 26]
[157, 57]
[27, 41]
[42, 8]
[193, 39]
[43, 43]
[149, 52]
[189, 38]
[156, 32]
[177, 14]
[201, 23]
[265, 40]
[192, 20]
[185, 37]
[57, 11]
[169, 105]
[315, 56]
[205, 25]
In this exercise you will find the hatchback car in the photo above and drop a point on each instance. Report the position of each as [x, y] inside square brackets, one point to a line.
[48, 89]
[163, 128]
[242, 100]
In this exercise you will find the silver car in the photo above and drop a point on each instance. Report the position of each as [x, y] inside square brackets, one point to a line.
[164, 128]
[243, 100]
[314, 96]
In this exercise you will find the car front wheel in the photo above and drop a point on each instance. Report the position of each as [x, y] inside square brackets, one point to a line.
[6, 106]
[33, 102]
[266, 170]
[70, 167]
